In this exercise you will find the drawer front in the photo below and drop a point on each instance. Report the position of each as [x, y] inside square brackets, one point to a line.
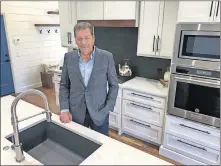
[117, 108]
[56, 87]
[192, 149]
[141, 129]
[151, 100]
[194, 132]
[57, 98]
[57, 77]
[114, 119]
[143, 112]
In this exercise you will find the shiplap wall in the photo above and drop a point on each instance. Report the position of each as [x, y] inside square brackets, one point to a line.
[33, 47]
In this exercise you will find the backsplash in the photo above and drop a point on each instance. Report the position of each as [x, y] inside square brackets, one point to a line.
[122, 42]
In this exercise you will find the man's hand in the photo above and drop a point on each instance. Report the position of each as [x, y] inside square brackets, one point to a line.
[65, 117]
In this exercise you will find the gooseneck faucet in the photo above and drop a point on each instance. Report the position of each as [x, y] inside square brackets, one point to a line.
[14, 120]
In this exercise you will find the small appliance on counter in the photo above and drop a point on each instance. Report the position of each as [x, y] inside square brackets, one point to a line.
[50, 65]
[125, 71]
[125, 68]
[166, 77]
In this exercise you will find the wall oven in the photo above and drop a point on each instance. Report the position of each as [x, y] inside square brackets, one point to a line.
[197, 45]
[194, 96]
[194, 88]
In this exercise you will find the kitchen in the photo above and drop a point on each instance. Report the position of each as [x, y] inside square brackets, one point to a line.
[145, 109]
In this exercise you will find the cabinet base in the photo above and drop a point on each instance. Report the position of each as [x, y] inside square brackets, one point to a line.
[178, 157]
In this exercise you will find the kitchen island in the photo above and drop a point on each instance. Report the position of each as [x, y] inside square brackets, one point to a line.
[111, 152]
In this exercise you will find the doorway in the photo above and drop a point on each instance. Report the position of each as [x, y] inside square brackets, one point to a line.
[7, 84]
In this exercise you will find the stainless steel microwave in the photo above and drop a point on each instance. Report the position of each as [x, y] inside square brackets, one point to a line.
[197, 45]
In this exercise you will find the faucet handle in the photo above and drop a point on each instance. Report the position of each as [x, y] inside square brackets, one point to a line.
[48, 115]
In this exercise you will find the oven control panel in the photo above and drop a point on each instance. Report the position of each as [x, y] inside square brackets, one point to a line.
[197, 72]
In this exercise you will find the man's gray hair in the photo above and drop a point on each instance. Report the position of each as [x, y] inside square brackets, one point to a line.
[83, 26]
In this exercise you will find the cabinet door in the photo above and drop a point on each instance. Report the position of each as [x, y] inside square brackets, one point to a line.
[119, 10]
[217, 12]
[148, 28]
[90, 10]
[65, 22]
[73, 22]
[166, 30]
[196, 11]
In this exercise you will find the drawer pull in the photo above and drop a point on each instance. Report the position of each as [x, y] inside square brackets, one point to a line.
[142, 96]
[192, 145]
[194, 129]
[140, 123]
[141, 106]
[58, 75]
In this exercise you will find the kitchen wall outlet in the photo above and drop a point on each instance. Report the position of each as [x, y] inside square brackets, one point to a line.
[159, 71]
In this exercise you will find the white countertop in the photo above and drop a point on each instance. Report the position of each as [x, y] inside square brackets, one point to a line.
[56, 71]
[112, 152]
[145, 85]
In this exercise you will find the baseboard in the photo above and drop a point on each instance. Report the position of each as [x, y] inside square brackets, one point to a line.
[178, 157]
[21, 89]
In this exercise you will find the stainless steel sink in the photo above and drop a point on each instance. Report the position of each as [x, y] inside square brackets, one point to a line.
[52, 144]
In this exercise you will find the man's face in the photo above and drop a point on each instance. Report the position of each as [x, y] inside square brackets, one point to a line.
[84, 41]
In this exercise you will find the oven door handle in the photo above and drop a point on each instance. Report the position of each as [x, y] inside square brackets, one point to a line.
[213, 82]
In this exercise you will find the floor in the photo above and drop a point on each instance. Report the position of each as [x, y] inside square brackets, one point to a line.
[139, 144]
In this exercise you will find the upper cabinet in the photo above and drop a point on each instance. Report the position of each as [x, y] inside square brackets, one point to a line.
[67, 18]
[157, 28]
[119, 10]
[206, 11]
[90, 10]
[106, 10]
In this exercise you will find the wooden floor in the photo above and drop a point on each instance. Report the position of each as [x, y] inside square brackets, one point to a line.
[139, 144]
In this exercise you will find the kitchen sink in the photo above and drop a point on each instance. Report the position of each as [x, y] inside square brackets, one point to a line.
[51, 144]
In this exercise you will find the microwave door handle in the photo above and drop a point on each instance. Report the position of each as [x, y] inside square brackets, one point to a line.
[211, 7]
[216, 83]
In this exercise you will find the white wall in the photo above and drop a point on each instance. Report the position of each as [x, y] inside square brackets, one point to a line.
[33, 47]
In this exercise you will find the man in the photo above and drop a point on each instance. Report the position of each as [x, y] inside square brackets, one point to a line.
[85, 75]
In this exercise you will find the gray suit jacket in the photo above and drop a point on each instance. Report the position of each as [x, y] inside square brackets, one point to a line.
[73, 94]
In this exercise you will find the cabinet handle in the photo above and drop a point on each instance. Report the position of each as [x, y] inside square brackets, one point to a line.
[140, 123]
[217, 10]
[68, 37]
[158, 38]
[192, 145]
[153, 42]
[210, 13]
[141, 106]
[142, 96]
[194, 128]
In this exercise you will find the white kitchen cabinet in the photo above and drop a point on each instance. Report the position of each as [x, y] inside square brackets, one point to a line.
[157, 28]
[205, 11]
[192, 149]
[190, 142]
[143, 112]
[119, 10]
[143, 115]
[149, 13]
[90, 10]
[141, 129]
[114, 120]
[67, 18]
[144, 98]
[192, 131]
[166, 30]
